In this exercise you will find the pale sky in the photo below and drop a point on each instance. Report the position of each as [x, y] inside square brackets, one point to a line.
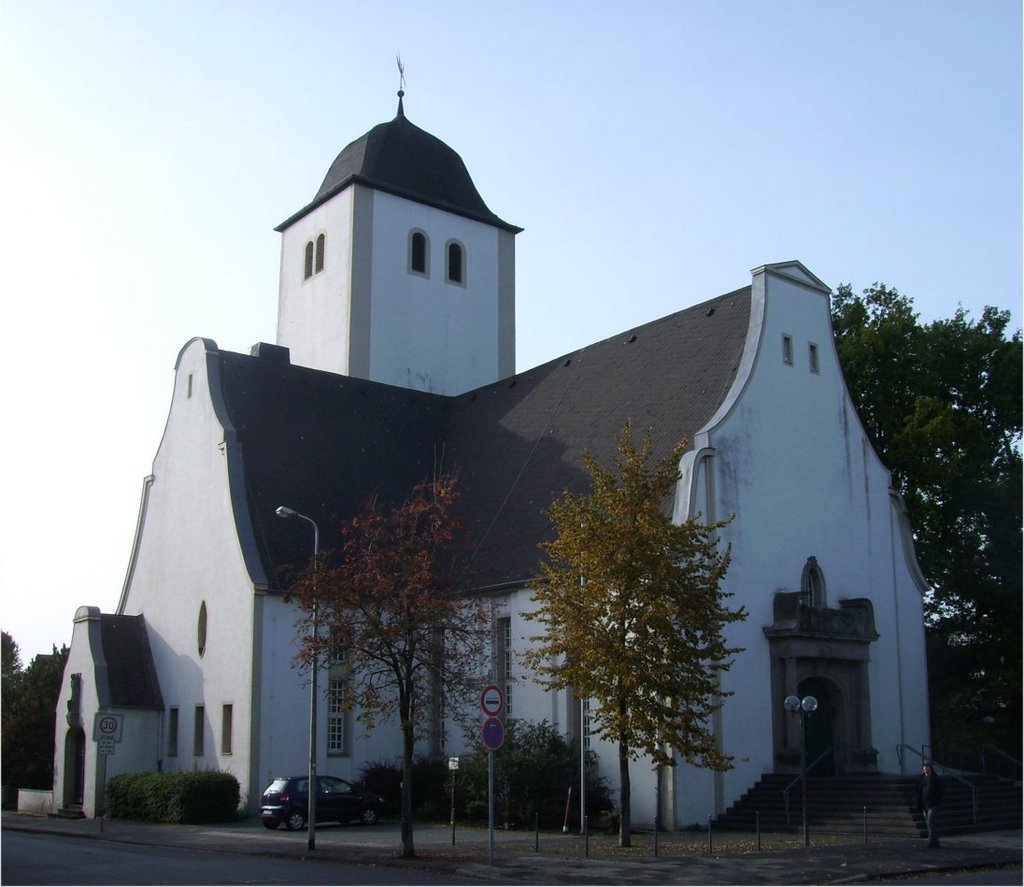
[654, 153]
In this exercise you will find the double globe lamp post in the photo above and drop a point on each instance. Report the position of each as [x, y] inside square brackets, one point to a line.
[802, 707]
[282, 511]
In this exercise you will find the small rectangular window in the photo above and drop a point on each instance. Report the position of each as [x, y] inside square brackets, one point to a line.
[226, 717]
[172, 732]
[812, 356]
[198, 729]
[189, 385]
[321, 243]
[787, 350]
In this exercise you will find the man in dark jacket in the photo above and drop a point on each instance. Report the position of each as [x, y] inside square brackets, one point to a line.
[929, 796]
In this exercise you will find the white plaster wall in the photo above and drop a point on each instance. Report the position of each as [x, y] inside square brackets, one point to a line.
[426, 333]
[187, 553]
[282, 747]
[313, 315]
[794, 466]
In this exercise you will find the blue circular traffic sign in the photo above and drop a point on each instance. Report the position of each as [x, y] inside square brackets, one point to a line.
[493, 734]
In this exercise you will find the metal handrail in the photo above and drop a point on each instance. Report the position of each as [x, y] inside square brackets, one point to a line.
[803, 775]
[998, 751]
[946, 770]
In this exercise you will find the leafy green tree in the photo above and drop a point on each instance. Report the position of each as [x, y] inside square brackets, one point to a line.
[535, 770]
[390, 600]
[30, 715]
[942, 404]
[633, 614]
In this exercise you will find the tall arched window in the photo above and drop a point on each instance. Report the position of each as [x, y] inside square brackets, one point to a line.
[456, 261]
[321, 243]
[418, 252]
[307, 266]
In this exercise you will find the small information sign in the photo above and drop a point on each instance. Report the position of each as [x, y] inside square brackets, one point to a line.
[453, 763]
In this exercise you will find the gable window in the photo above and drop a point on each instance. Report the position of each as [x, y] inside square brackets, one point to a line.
[227, 716]
[455, 261]
[812, 356]
[307, 265]
[198, 728]
[787, 350]
[321, 245]
[418, 253]
[172, 732]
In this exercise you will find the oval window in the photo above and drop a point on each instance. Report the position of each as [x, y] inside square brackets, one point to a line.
[201, 628]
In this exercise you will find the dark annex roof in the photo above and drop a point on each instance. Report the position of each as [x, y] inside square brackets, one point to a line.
[402, 159]
[131, 672]
[323, 444]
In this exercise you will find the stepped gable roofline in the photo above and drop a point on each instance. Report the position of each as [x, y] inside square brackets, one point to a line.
[399, 158]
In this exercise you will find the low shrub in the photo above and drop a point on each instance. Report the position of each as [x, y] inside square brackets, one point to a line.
[204, 796]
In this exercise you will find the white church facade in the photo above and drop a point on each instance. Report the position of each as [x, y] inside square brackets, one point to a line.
[395, 341]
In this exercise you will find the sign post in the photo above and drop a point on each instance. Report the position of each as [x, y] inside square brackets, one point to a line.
[453, 766]
[492, 701]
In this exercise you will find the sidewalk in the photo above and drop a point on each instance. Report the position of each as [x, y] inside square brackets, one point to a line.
[683, 857]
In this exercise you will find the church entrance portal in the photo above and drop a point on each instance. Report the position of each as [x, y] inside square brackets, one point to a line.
[823, 652]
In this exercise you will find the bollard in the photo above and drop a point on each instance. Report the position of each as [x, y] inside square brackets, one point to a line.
[586, 837]
[657, 828]
[536, 832]
[711, 842]
[757, 827]
[865, 825]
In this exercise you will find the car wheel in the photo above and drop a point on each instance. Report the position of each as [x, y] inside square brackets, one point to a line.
[369, 816]
[270, 823]
[296, 820]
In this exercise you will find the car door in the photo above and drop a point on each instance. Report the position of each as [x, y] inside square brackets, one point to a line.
[336, 800]
[341, 799]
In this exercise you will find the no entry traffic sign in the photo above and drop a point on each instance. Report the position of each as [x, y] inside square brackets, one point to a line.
[492, 700]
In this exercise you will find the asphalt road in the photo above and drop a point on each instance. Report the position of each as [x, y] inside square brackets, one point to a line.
[56, 859]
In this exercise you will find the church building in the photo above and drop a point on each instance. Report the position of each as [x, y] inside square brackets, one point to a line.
[396, 342]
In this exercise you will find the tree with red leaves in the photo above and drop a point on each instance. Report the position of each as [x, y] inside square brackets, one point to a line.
[390, 605]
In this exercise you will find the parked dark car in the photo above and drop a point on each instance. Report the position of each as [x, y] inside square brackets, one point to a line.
[286, 800]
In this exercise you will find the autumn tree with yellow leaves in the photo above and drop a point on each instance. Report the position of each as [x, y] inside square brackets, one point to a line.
[633, 613]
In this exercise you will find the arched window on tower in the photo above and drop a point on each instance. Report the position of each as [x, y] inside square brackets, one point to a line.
[418, 253]
[307, 266]
[321, 244]
[456, 262]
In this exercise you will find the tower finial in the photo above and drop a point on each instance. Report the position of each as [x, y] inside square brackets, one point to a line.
[401, 84]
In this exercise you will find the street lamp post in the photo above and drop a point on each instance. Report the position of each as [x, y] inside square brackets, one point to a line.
[802, 707]
[282, 511]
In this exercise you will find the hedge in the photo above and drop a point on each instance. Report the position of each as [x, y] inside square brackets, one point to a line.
[205, 796]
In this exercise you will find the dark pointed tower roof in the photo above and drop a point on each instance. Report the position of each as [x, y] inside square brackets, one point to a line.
[400, 158]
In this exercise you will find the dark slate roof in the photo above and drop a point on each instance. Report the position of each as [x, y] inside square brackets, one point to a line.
[402, 159]
[131, 673]
[322, 443]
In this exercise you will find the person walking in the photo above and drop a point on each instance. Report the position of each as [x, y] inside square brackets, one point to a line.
[929, 797]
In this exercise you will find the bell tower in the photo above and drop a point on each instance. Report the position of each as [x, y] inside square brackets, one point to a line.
[397, 271]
